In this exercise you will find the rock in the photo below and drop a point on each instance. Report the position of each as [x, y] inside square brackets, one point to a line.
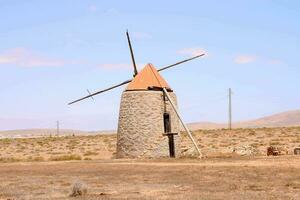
[276, 151]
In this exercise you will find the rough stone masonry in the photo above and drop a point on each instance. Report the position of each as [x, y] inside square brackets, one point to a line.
[141, 125]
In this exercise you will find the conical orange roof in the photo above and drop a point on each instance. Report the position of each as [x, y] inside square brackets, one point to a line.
[147, 78]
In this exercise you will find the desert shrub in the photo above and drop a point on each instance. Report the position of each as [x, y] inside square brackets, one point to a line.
[78, 189]
[38, 158]
[105, 140]
[274, 142]
[251, 132]
[65, 157]
[41, 143]
[90, 153]
[56, 152]
[222, 155]
[9, 159]
[255, 144]
[29, 158]
[73, 142]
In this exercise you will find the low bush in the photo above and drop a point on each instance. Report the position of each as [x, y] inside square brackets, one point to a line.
[65, 157]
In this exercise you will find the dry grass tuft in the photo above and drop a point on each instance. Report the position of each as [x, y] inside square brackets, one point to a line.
[65, 157]
[78, 189]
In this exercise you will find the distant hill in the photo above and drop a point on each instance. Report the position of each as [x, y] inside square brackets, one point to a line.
[285, 119]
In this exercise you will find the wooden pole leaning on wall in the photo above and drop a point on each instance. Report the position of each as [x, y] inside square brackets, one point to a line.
[183, 124]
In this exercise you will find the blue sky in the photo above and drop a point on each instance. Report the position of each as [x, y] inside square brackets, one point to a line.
[52, 51]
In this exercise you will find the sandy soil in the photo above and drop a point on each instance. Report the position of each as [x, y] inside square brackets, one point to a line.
[230, 178]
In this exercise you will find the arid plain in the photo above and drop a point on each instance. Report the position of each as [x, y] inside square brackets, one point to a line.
[235, 166]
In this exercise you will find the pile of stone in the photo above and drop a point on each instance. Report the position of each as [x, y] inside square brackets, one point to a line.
[276, 151]
[297, 151]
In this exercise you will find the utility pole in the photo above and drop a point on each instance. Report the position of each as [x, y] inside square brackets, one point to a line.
[229, 110]
[57, 128]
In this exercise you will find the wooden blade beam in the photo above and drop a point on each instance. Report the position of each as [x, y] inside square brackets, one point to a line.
[101, 91]
[178, 63]
[131, 53]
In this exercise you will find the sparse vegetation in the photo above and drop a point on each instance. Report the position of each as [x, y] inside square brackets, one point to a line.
[211, 142]
[56, 149]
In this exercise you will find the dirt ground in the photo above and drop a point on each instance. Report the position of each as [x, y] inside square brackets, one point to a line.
[235, 167]
[213, 178]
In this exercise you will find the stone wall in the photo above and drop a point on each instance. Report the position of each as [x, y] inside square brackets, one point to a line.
[141, 127]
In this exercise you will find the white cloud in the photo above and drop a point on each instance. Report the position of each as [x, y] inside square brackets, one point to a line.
[244, 59]
[23, 57]
[192, 51]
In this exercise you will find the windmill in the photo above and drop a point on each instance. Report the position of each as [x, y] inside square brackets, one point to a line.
[149, 123]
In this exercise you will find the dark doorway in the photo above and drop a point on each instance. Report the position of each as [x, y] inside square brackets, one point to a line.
[167, 129]
[167, 122]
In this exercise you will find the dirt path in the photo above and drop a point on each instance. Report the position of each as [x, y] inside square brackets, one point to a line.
[234, 178]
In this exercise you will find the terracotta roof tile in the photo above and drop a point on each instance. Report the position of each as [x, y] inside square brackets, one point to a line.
[148, 77]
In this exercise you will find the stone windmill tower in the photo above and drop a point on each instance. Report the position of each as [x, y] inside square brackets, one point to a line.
[149, 123]
[145, 114]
